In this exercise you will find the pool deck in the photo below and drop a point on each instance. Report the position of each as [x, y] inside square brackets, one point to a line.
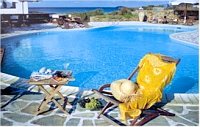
[19, 102]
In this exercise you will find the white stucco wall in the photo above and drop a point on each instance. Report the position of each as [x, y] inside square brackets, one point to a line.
[21, 8]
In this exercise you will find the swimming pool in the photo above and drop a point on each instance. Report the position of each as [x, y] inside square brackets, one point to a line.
[101, 55]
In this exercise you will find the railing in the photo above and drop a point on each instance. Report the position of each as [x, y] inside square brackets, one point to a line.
[27, 19]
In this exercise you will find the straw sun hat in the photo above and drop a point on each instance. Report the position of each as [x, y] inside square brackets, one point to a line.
[123, 88]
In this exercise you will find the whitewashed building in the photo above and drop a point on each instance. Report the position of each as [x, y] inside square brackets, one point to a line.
[14, 6]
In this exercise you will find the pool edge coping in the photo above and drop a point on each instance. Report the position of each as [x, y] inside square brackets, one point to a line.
[179, 98]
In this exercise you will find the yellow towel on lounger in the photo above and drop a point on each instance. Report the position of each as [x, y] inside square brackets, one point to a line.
[153, 76]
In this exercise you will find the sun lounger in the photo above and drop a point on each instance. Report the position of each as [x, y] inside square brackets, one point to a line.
[147, 114]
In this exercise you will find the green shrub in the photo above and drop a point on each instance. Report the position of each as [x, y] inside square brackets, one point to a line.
[86, 15]
[94, 104]
[128, 16]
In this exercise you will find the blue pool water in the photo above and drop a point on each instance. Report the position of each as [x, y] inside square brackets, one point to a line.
[101, 55]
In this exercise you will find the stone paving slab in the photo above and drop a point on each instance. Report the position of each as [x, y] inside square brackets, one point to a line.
[185, 115]
[161, 121]
[53, 120]
[5, 122]
[21, 111]
[15, 106]
[18, 117]
[191, 37]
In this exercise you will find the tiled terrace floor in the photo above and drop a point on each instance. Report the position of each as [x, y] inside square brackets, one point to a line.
[20, 111]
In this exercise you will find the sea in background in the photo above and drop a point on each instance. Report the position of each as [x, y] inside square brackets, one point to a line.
[68, 10]
[74, 7]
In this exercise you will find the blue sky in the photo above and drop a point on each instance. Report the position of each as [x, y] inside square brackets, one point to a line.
[96, 3]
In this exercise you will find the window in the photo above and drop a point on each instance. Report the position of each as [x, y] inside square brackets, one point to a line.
[13, 5]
